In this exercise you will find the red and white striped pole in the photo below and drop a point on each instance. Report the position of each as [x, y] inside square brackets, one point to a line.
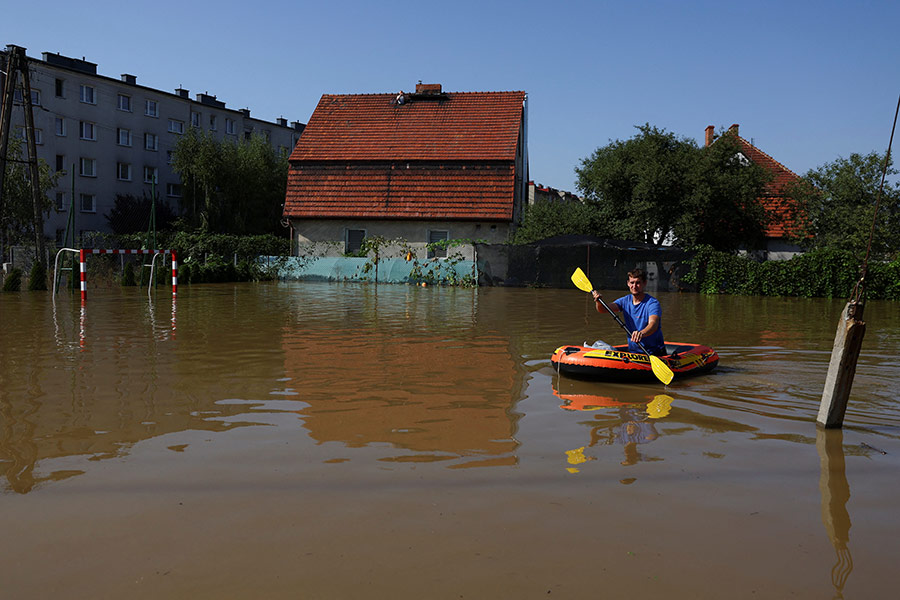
[82, 274]
[174, 273]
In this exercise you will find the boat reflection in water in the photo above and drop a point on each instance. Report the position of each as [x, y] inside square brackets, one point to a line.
[628, 422]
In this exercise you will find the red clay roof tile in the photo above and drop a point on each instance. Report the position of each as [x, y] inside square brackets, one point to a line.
[451, 156]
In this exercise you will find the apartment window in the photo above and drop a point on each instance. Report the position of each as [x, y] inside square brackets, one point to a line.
[60, 88]
[353, 240]
[176, 126]
[173, 190]
[87, 167]
[87, 203]
[38, 135]
[151, 108]
[151, 141]
[87, 94]
[124, 136]
[60, 162]
[229, 126]
[150, 175]
[212, 123]
[87, 131]
[124, 102]
[60, 201]
[35, 97]
[195, 119]
[438, 236]
[123, 171]
[169, 156]
[60, 127]
[248, 134]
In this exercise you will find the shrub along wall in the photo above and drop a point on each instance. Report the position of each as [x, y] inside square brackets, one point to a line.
[821, 273]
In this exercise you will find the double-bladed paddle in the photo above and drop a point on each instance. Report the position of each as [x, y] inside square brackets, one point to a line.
[662, 372]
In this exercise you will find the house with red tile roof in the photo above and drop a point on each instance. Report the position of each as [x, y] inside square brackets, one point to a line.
[778, 243]
[421, 166]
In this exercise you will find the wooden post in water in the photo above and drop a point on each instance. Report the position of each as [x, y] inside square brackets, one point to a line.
[842, 368]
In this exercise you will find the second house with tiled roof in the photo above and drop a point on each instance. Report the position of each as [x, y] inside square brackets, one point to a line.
[423, 166]
[781, 227]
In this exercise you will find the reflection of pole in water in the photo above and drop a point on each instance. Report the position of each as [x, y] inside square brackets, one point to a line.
[174, 325]
[81, 319]
[835, 491]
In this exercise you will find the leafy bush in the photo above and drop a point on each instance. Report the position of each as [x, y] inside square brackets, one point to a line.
[37, 278]
[828, 272]
[13, 281]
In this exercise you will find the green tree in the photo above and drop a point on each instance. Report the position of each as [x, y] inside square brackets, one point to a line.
[657, 186]
[638, 185]
[233, 187]
[131, 214]
[722, 207]
[833, 206]
[16, 202]
[545, 219]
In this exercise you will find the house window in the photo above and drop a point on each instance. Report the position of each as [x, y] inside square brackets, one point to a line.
[60, 89]
[151, 108]
[438, 236]
[212, 123]
[149, 174]
[124, 136]
[151, 142]
[123, 171]
[87, 167]
[173, 190]
[87, 94]
[60, 201]
[176, 126]
[195, 119]
[353, 240]
[87, 131]
[87, 203]
[124, 102]
[60, 127]
[60, 162]
[229, 126]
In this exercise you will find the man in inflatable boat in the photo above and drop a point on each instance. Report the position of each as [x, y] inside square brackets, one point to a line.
[641, 313]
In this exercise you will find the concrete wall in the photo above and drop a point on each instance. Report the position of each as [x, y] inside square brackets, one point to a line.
[327, 237]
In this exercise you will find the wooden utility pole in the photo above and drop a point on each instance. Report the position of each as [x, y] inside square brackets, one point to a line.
[17, 65]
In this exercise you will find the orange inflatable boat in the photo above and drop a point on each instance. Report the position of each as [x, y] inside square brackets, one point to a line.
[615, 363]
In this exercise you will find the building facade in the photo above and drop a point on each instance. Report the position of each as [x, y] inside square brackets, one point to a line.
[426, 166]
[110, 136]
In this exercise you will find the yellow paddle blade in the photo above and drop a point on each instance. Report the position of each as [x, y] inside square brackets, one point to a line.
[662, 372]
[581, 281]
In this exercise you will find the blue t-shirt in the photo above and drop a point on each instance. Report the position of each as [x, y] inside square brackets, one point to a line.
[637, 316]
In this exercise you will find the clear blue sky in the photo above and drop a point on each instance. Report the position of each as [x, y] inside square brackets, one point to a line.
[808, 82]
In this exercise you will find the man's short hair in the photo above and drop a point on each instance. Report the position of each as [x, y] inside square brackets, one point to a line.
[638, 274]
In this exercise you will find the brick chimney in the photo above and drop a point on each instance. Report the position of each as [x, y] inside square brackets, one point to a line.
[428, 88]
[710, 134]
[733, 129]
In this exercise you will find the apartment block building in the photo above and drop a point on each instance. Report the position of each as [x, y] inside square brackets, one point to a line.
[113, 136]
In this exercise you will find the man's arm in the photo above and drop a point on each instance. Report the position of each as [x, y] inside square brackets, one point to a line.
[650, 329]
[612, 306]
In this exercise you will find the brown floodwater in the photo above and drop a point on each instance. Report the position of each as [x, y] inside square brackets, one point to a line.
[313, 440]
